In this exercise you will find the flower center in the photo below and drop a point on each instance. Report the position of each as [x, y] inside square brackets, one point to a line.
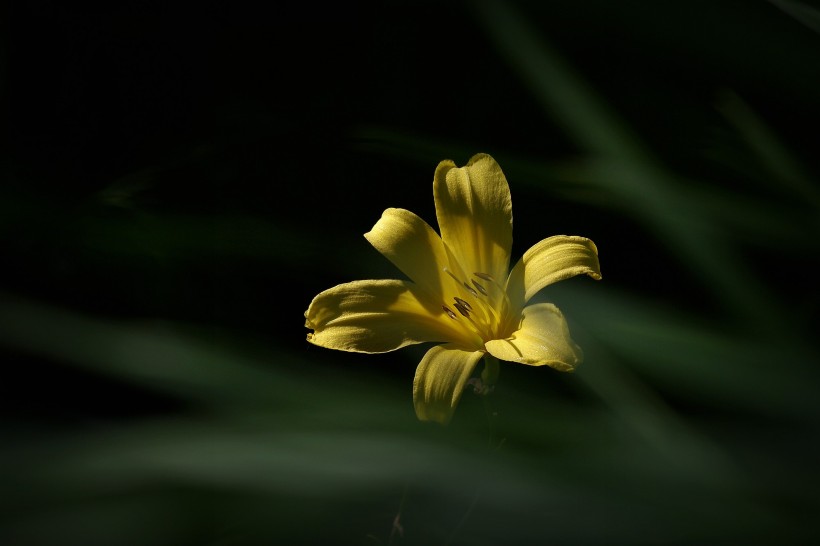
[483, 306]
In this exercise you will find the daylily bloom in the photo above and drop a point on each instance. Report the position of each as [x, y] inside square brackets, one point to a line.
[460, 293]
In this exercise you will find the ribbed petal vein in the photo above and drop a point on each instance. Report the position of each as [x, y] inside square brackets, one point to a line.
[551, 260]
[542, 339]
[413, 246]
[474, 213]
[376, 316]
[440, 379]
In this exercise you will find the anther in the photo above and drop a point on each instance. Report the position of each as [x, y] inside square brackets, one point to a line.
[470, 289]
[485, 276]
[463, 303]
[462, 309]
[480, 288]
[449, 312]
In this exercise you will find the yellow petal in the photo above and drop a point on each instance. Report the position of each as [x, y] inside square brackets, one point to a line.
[376, 316]
[413, 246]
[549, 261]
[542, 339]
[474, 213]
[440, 380]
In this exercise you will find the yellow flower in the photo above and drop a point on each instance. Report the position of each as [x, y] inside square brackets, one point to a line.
[461, 292]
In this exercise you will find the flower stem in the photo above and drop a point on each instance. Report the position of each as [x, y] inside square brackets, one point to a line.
[489, 376]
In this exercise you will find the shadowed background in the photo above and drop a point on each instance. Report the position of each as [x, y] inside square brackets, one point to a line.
[180, 180]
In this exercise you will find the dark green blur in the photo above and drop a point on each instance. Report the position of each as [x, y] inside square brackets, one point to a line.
[179, 181]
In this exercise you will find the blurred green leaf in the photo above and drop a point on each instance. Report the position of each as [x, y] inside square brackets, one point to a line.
[806, 14]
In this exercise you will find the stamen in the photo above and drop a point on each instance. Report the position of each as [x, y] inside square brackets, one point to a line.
[449, 312]
[506, 305]
[482, 329]
[462, 309]
[464, 303]
[481, 314]
[489, 278]
[470, 289]
[459, 281]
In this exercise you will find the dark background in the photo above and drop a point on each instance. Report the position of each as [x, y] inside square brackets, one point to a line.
[180, 180]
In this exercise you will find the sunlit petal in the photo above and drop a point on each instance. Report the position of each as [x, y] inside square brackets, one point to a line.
[542, 339]
[376, 316]
[474, 213]
[440, 380]
[413, 246]
[549, 261]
